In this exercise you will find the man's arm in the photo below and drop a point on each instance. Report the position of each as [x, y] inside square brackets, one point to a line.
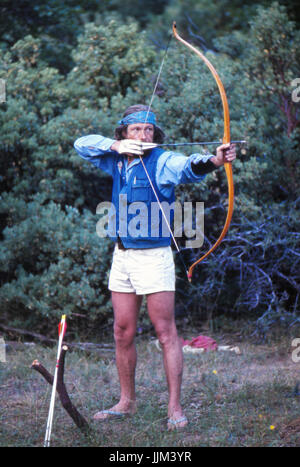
[93, 145]
[204, 165]
[225, 153]
[98, 150]
[175, 168]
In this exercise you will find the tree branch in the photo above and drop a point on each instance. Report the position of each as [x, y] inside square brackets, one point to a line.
[87, 346]
[79, 420]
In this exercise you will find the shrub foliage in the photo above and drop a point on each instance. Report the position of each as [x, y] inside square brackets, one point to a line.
[52, 260]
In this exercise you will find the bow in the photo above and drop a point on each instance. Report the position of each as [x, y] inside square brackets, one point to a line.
[226, 139]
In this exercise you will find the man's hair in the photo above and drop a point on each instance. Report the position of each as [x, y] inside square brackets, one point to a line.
[120, 131]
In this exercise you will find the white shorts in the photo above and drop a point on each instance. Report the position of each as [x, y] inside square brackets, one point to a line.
[142, 271]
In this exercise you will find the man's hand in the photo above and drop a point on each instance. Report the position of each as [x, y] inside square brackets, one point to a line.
[132, 147]
[225, 153]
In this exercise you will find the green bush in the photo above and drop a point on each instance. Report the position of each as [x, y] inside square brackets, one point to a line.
[52, 260]
[56, 264]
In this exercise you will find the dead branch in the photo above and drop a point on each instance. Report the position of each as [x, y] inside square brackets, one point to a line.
[25, 332]
[86, 346]
[79, 420]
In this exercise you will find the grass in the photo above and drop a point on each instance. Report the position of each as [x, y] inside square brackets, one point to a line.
[230, 400]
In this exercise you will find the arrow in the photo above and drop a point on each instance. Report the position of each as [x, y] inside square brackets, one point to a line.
[204, 143]
[61, 332]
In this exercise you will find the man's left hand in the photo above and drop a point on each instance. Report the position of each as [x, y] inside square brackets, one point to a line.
[225, 153]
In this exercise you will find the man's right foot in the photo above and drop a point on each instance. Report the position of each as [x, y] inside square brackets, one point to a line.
[116, 411]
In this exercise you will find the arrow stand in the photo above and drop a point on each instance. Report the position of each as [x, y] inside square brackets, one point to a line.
[79, 420]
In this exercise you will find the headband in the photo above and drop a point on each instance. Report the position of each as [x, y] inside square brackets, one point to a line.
[139, 117]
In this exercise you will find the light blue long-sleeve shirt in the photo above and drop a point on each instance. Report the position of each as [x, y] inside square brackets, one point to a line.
[173, 168]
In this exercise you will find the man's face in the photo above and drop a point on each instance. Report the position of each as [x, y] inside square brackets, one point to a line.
[141, 132]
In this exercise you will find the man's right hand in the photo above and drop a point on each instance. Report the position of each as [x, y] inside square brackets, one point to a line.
[131, 146]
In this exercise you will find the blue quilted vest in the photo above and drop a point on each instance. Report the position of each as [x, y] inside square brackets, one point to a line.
[138, 219]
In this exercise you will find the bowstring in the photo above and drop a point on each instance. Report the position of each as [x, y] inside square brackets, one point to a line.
[158, 76]
[143, 164]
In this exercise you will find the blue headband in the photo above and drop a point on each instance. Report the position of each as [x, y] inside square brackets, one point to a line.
[139, 117]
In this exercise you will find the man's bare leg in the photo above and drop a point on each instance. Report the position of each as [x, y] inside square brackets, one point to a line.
[161, 312]
[126, 309]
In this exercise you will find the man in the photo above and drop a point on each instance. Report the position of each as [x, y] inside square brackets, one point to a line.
[143, 264]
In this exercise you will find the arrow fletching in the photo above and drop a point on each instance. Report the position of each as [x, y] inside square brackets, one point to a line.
[62, 327]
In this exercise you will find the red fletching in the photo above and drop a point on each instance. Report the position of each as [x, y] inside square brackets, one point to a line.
[60, 330]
